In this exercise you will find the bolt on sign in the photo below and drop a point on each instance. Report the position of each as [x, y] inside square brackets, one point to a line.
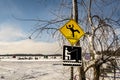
[72, 31]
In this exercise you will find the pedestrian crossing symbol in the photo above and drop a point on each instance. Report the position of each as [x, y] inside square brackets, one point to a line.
[72, 31]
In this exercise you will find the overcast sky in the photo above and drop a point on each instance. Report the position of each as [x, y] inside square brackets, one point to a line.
[14, 33]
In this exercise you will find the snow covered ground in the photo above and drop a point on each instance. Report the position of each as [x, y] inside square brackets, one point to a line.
[42, 69]
[33, 70]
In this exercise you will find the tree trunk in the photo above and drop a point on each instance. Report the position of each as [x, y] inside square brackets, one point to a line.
[96, 72]
[82, 73]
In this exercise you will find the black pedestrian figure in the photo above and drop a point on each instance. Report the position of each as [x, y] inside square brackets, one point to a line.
[72, 30]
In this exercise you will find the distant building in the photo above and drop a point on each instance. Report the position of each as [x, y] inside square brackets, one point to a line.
[30, 56]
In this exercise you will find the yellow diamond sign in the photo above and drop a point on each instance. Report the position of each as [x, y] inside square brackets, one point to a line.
[72, 31]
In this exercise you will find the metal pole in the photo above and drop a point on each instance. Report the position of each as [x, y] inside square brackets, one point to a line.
[75, 10]
[72, 71]
[75, 17]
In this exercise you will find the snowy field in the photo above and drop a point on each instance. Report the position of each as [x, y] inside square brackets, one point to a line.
[33, 70]
[43, 69]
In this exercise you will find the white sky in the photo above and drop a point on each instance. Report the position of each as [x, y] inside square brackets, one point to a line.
[14, 33]
[28, 46]
[14, 40]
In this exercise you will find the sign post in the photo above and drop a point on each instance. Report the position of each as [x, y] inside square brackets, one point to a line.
[72, 32]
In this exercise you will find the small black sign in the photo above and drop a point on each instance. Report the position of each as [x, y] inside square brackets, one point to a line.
[71, 56]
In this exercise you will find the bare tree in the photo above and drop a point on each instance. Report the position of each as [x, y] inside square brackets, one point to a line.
[101, 36]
